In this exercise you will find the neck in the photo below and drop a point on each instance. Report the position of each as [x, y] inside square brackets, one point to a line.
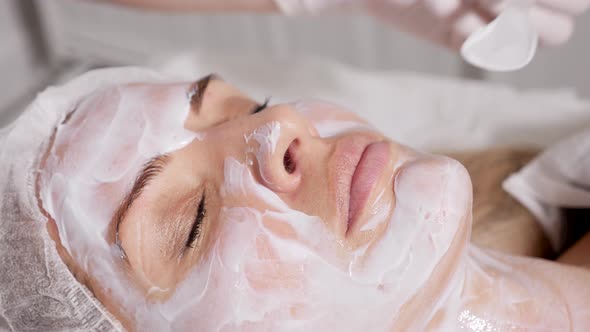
[497, 292]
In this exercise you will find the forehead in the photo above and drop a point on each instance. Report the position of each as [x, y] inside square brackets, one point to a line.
[118, 117]
[116, 130]
[128, 101]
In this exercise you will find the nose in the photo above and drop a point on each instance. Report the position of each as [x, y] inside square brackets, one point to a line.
[283, 135]
[274, 145]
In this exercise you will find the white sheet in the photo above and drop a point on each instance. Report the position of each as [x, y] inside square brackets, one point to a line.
[558, 178]
[426, 112]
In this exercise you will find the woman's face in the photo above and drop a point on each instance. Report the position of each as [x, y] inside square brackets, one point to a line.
[193, 207]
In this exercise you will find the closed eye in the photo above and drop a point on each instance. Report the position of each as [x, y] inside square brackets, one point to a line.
[260, 108]
[195, 232]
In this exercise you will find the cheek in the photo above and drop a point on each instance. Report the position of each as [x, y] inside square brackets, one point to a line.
[432, 186]
[267, 249]
[280, 228]
[266, 271]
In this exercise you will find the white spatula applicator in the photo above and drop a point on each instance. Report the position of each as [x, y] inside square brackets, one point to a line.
[508, 43]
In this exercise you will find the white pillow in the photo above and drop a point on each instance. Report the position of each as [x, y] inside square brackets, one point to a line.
[426, 112]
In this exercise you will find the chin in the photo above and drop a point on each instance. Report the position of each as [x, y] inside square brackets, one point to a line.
[437, 190]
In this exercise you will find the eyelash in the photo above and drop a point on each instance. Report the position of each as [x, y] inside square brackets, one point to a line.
[262, 107]
[202, 210]
[196, 229]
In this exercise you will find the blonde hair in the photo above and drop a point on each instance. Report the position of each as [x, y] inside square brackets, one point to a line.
[499, 221]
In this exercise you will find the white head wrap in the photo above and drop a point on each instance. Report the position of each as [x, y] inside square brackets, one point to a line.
[37, 291]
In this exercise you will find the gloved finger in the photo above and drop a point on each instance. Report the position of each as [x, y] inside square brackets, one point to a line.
[496, 7]
[406, 15]
[456, 26]
[554, 28]
[463, 26]
[572, 7]
[493, 7]
[443, 8]
[411, 16]
[450, 25]
[568, 7]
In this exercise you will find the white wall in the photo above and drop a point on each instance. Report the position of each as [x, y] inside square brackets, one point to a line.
[86, 30]
[126, 35]
[566, 66]
[14, 55]
[12, 43]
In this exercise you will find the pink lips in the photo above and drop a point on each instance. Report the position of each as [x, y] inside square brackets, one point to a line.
[368, 171]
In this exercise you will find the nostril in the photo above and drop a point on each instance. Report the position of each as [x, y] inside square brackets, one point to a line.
[288, 160]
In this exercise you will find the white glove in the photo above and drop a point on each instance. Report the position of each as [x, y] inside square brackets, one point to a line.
[559, 178]
[450, 22]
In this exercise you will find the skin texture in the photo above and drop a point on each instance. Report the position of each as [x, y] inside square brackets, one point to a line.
[467, 288]
[577, 255]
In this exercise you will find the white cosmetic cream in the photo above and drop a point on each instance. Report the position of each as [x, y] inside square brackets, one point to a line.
[272, 267]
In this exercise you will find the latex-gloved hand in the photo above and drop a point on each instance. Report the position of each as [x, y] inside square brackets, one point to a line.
[450, 22]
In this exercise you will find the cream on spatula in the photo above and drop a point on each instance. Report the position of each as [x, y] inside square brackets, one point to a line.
[508, 43]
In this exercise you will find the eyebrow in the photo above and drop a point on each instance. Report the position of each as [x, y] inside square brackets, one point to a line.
[197, 91]
[149, 171]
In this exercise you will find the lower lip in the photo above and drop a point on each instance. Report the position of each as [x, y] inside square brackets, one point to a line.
[368, 171]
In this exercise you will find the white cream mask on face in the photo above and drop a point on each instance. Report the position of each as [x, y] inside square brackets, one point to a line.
[508, 43]
[93, 162]
[108, 139]
[267, 138]
[279, 269]
[271, 268]
[258, 278]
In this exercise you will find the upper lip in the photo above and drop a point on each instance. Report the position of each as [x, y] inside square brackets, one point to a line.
[347, 156]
